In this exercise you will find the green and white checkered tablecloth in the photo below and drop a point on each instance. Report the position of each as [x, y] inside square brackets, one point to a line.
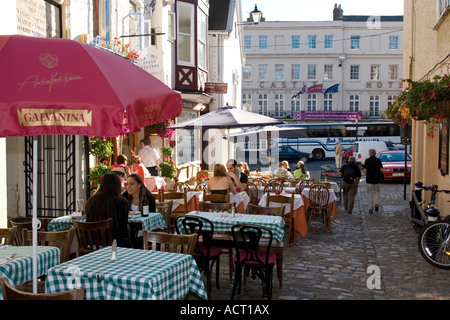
[225, 223]
[153, 221]
[20, 268]
[137, 275]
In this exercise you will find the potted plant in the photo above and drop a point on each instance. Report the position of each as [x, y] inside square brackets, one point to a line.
[96, 173]
[168, 168]
[100, 147]
[422, 100]
[161, 129]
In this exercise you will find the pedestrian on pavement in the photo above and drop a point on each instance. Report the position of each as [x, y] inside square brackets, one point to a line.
[238, 178]
[374, 176]
[351, 176]
[149, 156]
[339, 150]
[107, 203]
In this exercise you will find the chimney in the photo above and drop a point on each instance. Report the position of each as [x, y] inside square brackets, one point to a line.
[338, 13]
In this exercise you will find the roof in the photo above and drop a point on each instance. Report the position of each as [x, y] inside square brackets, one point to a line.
[221, 13]
[365, 18]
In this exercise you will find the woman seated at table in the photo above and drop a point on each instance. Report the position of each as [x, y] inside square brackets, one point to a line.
[220, 183]
[301, 173]
[138, 167]
[108, 203]
[138, 195]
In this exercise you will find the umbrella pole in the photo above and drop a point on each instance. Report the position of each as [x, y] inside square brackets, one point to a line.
[35, 221]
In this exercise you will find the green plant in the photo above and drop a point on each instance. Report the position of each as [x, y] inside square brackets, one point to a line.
[419, 101]
[167, 166]
[161, 129]
[96, 173]
[100, 147]
[167, 152]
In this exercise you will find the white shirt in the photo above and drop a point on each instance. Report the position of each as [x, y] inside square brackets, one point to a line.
[149, 156]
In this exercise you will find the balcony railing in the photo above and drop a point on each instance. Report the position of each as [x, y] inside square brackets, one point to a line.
[116, 47]
[290, 114]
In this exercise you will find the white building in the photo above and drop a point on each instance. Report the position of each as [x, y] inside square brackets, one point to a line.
[362, 55]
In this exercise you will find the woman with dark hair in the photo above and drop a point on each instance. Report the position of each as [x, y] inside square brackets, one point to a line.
[138, 195]
[108, 203]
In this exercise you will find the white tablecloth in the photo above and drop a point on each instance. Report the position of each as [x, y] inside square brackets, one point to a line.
[153, 182]
[332, 197]
[298, 201]
[189, 195]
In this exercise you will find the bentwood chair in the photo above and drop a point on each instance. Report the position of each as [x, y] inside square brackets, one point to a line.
[252, 191]
[20, 226]
[273, 186]
[205, 254]
[176, 195]
[165, 208]
[8, 235]
[11, 293]
[61, 239]
[93, 235]
[169, 242]
[318, 198]
[216, 206]
[250, 256]
[213, 197]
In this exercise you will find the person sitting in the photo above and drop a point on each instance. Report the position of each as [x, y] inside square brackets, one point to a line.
[138, 195]
[220, 183]
[108, 203]
[301, 173]
[121, 169]
[139, 168]
[282, 173]
[238, 178]
[286, 166]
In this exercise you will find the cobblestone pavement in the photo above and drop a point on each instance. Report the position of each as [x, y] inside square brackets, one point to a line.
[333, 264]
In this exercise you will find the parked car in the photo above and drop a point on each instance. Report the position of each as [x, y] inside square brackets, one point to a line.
[393, 162]
[347, 153]
[290, 155]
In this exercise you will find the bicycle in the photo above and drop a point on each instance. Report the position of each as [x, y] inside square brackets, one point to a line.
[434, 239]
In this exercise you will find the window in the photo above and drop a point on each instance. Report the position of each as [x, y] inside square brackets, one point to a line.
[247, 42]
[354, 42]
[279, 72]
[295, 42]
[312, 102]
[312, 71]
[374, 105]
[329, 42]
[247, 102]
[393, 42]
[262, 104]
[311, 42]
[262, 42]
[354, 102]
[295, 72]
[262, 72]
[247, 73]
[185, 34]
[328, 72]
[354, 72]
[393, 72]
[328, 102]
[391, 100]
[375, 72]
[279, 105]
[202, 30]
[295, 106]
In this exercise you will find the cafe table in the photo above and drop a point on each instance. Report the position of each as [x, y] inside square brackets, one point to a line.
[223, 222]
[241, 200]
[193, 200]
[16, 262]
[154, 183]
[136, 275]
[153, 221]
[331, 201]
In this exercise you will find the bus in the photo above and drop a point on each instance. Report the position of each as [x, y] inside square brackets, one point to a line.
[322, 137]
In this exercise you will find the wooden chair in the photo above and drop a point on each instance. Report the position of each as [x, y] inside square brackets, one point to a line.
[157, 195]
[20, 226]
[288, 214]
[176, 195]
[267, 211]
[93, 235]
[250, 256]
[167, 242]
[61, 239]
[212, 197]
[252, 191]
[318, 198]
[165, 208]
[8, 235]
[180, 186]
[273, 186]
[11, 293]
[200, 186]
[216, 206]
[307, 183]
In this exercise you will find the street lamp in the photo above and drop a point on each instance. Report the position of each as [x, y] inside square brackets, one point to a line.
[255, 16]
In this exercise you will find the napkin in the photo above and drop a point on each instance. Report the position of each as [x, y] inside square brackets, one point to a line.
[76, 214]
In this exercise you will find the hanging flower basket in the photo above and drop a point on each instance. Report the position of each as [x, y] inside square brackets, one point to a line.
[422, 100]
[161, 130]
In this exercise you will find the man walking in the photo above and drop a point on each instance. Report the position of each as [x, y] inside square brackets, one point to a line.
[149, 156]
[372, 170]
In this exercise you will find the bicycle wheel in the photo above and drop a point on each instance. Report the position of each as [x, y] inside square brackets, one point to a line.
[434, 244]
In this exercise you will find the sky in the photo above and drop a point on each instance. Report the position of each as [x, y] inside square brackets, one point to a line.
[319, 10]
